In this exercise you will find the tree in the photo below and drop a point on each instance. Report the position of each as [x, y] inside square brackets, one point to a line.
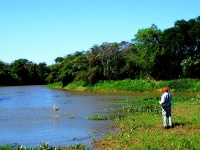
[147, 43]
[5, 78]
[131, 69]
[181, 48]
[43, 72]
[58, 59]
[19, 71]
[53, 75]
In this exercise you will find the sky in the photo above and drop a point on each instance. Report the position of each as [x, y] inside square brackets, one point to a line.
[42, 30]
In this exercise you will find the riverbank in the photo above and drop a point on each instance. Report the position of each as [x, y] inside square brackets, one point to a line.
[179, 85]
[141, 123]
[142, 127]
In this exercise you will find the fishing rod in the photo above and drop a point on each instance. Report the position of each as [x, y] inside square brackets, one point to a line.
[154, 80]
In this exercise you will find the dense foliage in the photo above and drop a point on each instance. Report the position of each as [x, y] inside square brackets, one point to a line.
[170, 54]
[23, 72]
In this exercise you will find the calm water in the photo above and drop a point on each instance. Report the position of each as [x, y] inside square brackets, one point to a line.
[27, 117]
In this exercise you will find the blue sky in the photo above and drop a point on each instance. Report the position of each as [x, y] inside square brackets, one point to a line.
[42, 30]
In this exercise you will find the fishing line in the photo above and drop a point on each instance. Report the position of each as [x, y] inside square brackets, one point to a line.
[154, 80]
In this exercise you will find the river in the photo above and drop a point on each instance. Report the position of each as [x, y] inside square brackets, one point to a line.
[27, 117]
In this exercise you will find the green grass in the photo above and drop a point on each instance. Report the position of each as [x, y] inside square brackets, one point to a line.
[179, 85]
[78, 85]
[55, 85]
[141, 127]
[126, 85]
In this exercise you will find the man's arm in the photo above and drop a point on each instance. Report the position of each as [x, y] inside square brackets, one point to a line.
[162, 99]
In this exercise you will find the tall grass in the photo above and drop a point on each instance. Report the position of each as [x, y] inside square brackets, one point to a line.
[126, 85]
[192, 85]
[182, 85]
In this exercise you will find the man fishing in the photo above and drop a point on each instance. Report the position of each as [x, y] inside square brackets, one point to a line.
[166, 108]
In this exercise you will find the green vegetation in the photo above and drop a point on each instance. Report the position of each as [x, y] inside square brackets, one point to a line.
[55, 85]
[141, 127]
[79, 85]
[43, 146]
[181, 85]
[165, 55]
[23, 72]
[97, 117]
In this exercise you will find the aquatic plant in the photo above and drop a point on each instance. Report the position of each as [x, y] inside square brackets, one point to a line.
[76, 146]
[97, 117]
[143, 108]
[44, 146]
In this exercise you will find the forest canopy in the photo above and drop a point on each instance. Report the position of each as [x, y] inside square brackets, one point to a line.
[170, 54]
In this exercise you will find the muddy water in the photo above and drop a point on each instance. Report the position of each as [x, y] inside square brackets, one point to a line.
[27, 117]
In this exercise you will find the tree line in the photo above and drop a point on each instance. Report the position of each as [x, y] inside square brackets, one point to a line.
[165, 55]
[23, 72]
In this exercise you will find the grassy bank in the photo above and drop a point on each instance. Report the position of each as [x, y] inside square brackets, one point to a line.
[182, 85]
[55, 85]
[142, 126]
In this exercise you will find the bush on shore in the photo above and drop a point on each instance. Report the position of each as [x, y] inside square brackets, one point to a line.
[179, 85]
